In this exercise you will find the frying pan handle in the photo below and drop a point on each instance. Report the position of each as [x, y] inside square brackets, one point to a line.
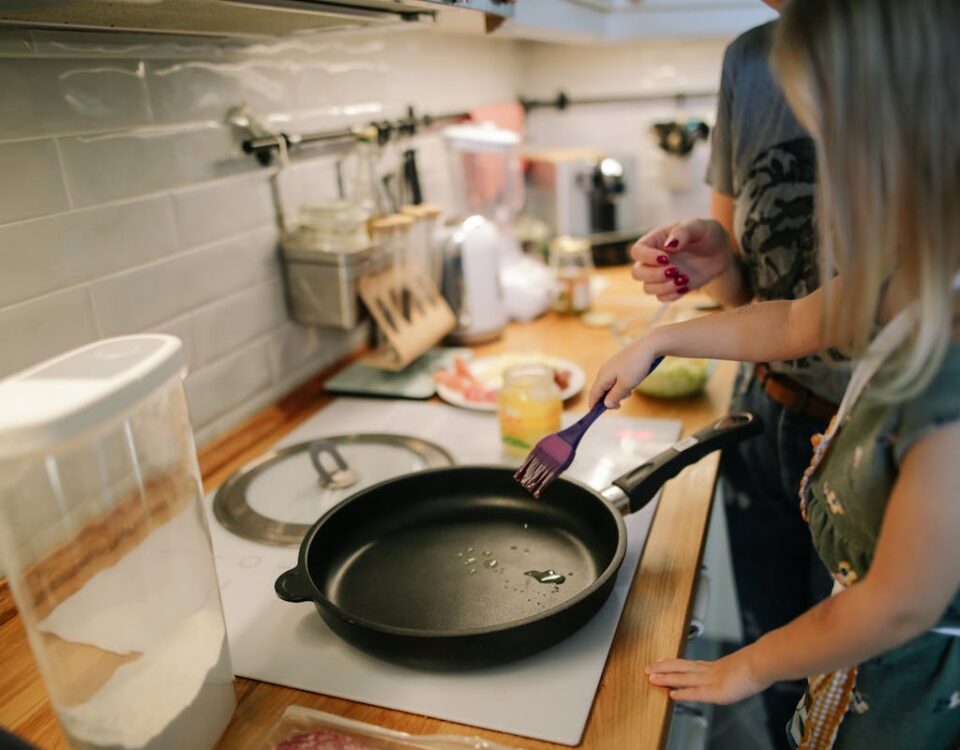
[291, 586]
[642, 483]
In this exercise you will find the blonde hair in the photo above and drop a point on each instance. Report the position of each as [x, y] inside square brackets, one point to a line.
[877, 82]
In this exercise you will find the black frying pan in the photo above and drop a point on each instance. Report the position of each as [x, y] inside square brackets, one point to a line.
[458, 567]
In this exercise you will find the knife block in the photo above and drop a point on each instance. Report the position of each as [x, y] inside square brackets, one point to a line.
[410, 312]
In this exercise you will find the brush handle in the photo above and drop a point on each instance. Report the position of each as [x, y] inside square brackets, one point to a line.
[574, 432]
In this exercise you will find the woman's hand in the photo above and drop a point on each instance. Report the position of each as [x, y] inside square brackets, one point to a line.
[725, 680]
[619, 374]
[676, 259]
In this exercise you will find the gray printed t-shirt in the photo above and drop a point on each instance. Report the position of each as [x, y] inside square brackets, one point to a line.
[764, 159]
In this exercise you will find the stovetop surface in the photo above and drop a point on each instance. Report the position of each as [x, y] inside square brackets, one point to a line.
[547, 696]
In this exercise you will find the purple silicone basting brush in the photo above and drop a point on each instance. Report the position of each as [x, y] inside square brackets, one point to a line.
[554, 453]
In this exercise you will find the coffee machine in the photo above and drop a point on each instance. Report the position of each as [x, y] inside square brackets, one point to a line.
[582, 191]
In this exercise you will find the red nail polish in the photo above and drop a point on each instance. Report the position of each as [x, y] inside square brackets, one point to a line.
[663, 260]
[673, 243]
[682, 280]
[683, 290]
[671, 272]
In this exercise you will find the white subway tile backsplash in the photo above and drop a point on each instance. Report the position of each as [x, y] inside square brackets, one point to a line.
[42, 192]
[208, 213]
[43, 327]
[53, 97]
[138, 299]
[15, 43]
[231, 323]
[106, 167]
[42, 255]
[191, 90]
[227, 383]
[295, 348]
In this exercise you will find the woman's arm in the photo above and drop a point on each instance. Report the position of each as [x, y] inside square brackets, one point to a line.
[914, 575]
[761, 332]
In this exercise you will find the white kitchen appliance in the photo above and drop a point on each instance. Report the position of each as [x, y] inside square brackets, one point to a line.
[547, 696]
[582, 191]
[485, 179]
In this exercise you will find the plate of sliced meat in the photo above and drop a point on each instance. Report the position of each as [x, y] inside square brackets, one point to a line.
[473, 384]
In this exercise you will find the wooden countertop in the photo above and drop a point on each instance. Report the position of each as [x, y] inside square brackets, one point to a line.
[627, 712]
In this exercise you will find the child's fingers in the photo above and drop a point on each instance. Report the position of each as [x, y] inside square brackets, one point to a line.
[676, 665]
[600, 386]
[617, 393]
[679, 679]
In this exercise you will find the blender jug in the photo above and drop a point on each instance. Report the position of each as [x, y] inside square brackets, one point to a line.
[485, 184]
[106, 547]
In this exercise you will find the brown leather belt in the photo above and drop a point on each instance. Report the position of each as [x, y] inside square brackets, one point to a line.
[793, 396]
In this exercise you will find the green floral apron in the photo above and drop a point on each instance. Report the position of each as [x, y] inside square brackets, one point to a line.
[908, 698]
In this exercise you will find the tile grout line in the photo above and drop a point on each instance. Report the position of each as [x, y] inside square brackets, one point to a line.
[66, 184]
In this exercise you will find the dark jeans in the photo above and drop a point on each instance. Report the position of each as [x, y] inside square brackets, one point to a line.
[778, 574]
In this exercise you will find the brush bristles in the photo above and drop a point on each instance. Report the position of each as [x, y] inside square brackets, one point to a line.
[537, 472]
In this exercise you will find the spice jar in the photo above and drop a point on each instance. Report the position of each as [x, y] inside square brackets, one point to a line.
[529, 407]
[424, 254]
[572, 263]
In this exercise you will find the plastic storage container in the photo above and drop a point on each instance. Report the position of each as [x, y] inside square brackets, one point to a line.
[529, 406]
[107, 550]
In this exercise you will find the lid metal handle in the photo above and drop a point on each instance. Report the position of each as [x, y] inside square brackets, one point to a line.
[342, 476]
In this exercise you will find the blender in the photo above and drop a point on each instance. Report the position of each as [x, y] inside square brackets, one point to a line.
[487, 188]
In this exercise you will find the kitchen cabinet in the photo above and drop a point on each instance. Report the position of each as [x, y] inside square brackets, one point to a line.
[625, 20]
[627, 712]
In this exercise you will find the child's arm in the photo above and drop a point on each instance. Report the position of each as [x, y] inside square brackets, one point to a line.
[761, 332]
[914, 575]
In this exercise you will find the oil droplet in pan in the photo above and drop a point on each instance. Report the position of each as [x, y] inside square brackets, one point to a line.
[491, 563]
[546, 576]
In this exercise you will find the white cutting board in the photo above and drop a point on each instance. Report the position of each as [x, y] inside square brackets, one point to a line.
[547, 696]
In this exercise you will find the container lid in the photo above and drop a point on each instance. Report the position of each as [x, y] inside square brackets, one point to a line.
[65, 396]
[390, 222]
[422, 211]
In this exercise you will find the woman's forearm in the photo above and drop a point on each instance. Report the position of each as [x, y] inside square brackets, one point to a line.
[760, 332]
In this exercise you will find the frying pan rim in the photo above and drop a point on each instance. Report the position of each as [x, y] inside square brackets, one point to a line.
[323, 601]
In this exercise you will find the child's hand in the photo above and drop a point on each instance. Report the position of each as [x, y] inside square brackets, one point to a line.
[622, 372]
[726, 680]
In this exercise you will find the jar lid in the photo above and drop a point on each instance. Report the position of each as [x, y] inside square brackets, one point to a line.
[422, 211]
[276, 498]
[390, 223]
[565, 243]
[63, 397]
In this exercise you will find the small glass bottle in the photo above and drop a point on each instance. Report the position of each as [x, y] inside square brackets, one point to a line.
[572, 261]
[529, 407]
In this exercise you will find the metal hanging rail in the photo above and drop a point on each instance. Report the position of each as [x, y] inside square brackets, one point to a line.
[266, 147]
[562, 100]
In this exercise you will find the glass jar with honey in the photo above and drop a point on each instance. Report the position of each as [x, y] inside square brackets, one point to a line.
[529, 407]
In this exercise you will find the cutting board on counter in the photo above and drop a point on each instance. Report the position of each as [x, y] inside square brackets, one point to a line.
[414, 382]
[546, 696]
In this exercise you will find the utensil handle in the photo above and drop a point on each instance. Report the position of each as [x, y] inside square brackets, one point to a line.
[642, 483]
